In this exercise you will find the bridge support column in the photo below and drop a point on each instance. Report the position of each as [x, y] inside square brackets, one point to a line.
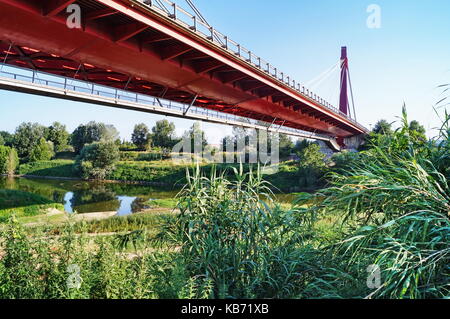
[343, 100]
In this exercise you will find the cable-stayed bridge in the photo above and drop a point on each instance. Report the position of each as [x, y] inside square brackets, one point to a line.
[154, 56]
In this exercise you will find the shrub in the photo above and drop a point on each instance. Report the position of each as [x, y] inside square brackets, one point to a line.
[8, 160]
[41, 266]
[97, 160]
[43, 151]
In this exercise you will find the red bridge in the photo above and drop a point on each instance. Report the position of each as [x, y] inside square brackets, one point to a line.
[158, 49]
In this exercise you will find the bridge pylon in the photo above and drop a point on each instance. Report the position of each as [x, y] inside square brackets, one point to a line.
[343, 97]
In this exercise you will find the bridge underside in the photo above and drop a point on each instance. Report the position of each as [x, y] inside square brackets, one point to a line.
[134, 49]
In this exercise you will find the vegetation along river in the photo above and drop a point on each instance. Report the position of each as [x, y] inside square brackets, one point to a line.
[89, 197]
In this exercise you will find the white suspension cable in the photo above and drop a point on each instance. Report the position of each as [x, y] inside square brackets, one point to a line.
[322, 75]
[351, 93]
[6, 56]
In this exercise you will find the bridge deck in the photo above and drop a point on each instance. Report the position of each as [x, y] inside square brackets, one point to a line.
[129, 45]
[37, 83]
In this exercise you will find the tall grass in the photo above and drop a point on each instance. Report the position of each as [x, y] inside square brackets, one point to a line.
[396, 199]
[235, 240]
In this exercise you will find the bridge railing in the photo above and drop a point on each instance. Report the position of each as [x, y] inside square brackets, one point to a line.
[195, 24]
[70, 84]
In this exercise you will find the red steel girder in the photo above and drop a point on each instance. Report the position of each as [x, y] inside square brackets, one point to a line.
[160, 64]
[54, 7]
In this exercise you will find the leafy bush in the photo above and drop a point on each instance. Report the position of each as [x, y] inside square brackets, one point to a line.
[40, 267]
[97, 160]
[43, 151]
[8, 160]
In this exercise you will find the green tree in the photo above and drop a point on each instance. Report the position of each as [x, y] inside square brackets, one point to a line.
[300, 145]
[97, 160]
[43, 151]
[417, 127]
[286, 145]
[197, 137]
[163, 134]
[141, 136]
[8, 138]
[9, 160]
[26, 137]
[383, 127]
[312, 165]
[58, 135]
[2, 141]
[92, 132]
[110, 133]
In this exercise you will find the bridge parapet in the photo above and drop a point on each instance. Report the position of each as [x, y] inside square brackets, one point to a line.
[193, 23]
[143, 49]
[39, 83]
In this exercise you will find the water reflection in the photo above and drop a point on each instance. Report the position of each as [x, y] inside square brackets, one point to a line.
[88, 197]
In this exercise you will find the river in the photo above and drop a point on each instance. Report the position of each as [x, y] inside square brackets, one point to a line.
[89, 197]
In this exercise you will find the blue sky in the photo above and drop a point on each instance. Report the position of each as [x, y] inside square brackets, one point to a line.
[403, 61]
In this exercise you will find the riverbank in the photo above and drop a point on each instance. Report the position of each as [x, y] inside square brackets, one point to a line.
[158, 173]
[110, 181]
[24, 204]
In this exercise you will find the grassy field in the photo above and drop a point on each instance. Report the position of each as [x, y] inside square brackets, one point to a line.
[54, 168]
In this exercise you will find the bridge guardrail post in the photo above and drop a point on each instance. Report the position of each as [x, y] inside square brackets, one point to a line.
[194, 27]
[174, 14]
[211, 30]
